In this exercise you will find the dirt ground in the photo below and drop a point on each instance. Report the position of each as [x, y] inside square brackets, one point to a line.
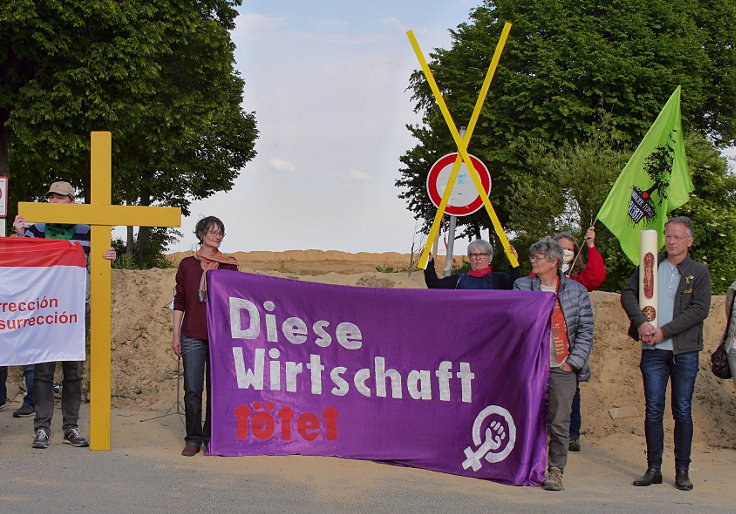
[145, 370]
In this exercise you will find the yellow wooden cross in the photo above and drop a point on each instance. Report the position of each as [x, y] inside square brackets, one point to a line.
[462, 146]
[101, 216]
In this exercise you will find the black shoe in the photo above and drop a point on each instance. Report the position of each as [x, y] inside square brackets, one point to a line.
[682, 480]
[24, 411]
[73, 437]
[652, 476]
[42, 439]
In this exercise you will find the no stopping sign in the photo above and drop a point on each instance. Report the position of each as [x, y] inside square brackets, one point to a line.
[464, 198]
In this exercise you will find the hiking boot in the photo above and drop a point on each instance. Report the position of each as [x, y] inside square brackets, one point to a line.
[553, 480]
[42, 439]
[574, 445]
[24, 411]
[73, 437]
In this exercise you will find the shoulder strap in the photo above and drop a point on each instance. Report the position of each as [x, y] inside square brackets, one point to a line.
[728, 320]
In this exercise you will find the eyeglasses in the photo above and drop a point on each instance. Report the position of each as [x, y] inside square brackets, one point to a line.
[676, 239]
[535, 258]
[479, 255]
[212, 233]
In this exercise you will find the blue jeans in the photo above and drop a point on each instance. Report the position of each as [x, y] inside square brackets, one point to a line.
[29, 373]
[196, 358]
[657, 367]
[576, 419]
[3, 379]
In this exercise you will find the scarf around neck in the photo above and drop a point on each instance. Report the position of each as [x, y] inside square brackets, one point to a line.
[478, 273]
[208, 262]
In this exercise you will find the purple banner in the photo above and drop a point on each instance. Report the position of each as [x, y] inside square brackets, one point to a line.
[452, 381]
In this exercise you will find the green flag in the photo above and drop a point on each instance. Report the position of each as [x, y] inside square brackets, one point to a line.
[654, 181]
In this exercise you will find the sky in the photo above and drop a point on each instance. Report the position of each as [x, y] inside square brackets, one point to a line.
[327, 82]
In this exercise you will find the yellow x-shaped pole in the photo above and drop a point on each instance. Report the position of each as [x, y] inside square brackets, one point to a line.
[462, 146]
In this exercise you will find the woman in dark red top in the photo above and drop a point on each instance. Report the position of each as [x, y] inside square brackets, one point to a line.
[190, 336]
[591, 276]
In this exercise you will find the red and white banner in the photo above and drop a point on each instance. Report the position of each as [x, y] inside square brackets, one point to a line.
[42, 297]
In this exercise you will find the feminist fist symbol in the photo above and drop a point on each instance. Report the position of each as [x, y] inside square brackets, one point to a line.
[495, 436]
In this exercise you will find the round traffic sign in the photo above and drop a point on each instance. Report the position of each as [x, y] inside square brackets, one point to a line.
[464, 198]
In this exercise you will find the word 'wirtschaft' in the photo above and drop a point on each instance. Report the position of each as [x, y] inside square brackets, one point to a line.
[420, 384]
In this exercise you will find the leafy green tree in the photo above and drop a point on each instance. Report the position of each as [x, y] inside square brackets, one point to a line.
[158, 74]
[712, 207]
[571, 182]
[563, 188]
[569, 64]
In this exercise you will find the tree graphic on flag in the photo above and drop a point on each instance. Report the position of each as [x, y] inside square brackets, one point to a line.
[655, 181]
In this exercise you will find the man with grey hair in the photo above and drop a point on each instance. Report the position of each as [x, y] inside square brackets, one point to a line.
[571, 338]
[480, 276]
[669, 351]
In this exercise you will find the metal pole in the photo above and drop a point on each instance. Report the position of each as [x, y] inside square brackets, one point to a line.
[450, 245]
[451, 230]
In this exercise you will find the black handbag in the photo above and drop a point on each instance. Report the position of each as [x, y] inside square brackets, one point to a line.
[718, 359]
[719, 362]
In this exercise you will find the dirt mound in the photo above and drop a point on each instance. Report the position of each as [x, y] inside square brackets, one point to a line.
[316, 262]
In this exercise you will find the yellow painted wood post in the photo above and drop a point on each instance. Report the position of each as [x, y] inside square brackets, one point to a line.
[101, 216]
[101, 290]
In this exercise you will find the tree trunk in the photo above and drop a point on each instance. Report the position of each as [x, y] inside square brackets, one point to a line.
[129, 243]
[144, 233]
[4, 145]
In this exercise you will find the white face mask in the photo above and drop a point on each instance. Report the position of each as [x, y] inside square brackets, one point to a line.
[567, 256]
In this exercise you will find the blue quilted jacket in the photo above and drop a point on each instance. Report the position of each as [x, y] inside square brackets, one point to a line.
[578, 313]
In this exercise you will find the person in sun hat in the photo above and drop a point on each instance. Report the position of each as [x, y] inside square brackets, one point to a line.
[43, 387]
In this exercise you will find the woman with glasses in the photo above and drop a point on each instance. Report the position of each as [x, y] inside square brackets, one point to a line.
[571, 338]
[190, 327]
[480, 276]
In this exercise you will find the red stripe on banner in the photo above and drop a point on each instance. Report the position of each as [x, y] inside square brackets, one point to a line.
[30, 252]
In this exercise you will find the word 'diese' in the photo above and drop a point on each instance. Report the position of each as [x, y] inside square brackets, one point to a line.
[294, 329]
